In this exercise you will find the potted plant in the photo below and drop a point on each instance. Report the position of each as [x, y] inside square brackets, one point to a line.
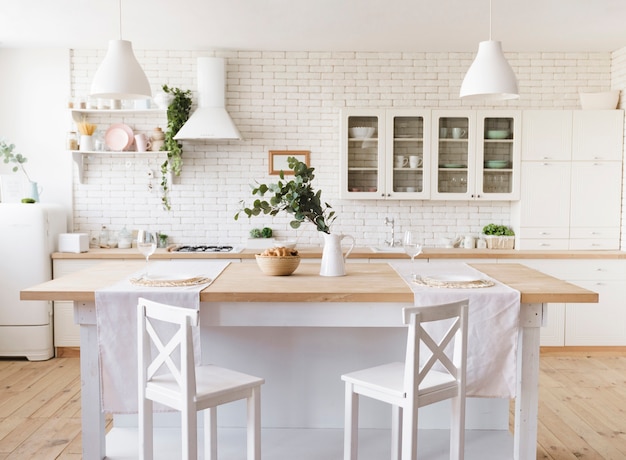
[499, 236]
[178, 112]
[298, 198]
[6, 152]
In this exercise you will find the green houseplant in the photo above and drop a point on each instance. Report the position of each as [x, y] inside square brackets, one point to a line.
[178, 112]
[499, 236]
[295, 197]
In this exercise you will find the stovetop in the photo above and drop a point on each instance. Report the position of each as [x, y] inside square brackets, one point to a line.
[207, 248]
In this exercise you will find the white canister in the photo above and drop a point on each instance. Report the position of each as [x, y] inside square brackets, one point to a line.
[86, 143]
[468, 242]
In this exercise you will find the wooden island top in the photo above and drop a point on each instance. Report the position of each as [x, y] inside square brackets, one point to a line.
[364, 282]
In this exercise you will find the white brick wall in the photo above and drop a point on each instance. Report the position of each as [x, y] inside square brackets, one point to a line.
[292, 100]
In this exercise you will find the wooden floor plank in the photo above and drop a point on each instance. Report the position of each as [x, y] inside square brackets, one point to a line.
[582, 407]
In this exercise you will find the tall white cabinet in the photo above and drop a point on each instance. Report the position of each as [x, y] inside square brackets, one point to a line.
[571, 180]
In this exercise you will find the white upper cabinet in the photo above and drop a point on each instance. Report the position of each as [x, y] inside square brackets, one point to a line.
[597, 135]
[385, 154]
[547, 135]
[476, 155]
[362, 154]
[408, 164]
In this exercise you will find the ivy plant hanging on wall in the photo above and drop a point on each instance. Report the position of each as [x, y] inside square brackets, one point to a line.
[178, 112]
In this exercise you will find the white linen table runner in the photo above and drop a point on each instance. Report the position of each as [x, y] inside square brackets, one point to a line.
[493, 325]
[116, 322]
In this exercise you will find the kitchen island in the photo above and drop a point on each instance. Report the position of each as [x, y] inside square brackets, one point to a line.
[371, 296]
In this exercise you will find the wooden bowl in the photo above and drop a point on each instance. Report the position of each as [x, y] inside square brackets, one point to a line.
[277, 265]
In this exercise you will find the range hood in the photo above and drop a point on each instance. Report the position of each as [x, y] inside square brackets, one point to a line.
[210, 120]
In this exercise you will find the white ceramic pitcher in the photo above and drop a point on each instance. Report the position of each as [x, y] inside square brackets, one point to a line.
[34, 190]
[333, 260]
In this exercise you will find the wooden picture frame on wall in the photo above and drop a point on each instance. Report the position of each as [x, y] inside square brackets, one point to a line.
[278, 160]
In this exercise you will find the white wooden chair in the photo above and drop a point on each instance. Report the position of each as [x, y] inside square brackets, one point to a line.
[408, 386]
[172, 379]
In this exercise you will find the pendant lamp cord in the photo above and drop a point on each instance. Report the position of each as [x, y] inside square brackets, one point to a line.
[489, 19]
[120, 14]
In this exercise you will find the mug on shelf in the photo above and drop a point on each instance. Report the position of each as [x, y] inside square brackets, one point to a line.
[415, 161]
[142, 142]
[458, 133]
[401, 161]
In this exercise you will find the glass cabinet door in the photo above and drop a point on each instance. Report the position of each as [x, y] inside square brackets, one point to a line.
[454, 156]
[498, 154]
[407, 165]
[362, 165]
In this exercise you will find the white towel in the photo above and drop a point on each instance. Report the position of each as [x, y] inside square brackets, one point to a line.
[493, 325]
[116, 320]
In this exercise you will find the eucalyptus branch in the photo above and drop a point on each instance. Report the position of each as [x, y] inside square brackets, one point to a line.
[295, 197]
[6, 151]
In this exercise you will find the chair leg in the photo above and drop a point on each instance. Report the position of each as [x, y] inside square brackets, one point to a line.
[189, 432]
[146, 437]
[409, 433]
[351, 424]
[396, 432]
[254, 424]
[210, 433]
[457, 428]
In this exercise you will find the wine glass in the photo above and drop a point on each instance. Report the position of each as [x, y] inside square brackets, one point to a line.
[146, 243]
[412, 245]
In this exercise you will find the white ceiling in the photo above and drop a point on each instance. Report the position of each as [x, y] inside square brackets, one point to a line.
[321, 25]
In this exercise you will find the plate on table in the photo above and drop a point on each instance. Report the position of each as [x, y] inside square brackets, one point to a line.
[119, 137]
[453, 281]
[451, 278]
[167, 280]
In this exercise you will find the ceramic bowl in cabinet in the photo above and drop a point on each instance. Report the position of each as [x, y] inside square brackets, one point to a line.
[497, 134]
[362, 132]
[496, 164]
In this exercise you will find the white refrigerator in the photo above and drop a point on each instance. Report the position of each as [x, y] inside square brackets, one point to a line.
[28, 236]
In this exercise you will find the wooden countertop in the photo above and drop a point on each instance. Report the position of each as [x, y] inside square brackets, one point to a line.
[364, 283]
[358, 253]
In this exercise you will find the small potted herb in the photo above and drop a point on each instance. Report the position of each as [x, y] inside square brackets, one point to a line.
[499, 236]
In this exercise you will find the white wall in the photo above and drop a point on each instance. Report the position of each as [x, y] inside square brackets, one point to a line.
[292, 100]
[34, 84]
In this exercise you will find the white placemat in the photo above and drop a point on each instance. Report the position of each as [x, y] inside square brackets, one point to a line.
[493, 324]
[116, 322]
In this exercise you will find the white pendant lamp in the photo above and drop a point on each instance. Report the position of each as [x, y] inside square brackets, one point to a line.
[120, 76]
[490, 77]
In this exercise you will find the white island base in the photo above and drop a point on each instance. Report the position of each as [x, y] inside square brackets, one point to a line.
[314, 444]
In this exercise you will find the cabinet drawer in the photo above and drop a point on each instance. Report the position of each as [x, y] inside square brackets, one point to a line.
[601, 244]
[594, 232]
[551, 244]
[543, 233]
[578, 269]
[62, 267]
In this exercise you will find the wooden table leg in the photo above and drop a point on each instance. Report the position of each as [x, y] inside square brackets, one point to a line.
[527, 400]
[93, 423]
